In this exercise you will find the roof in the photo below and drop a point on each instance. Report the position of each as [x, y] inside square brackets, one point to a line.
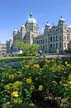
[62, 19]
[31, 19]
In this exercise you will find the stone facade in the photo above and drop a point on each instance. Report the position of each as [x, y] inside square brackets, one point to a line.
[9, 45]
[2, 49]
[69, 45]
[42, 41]
[54, 38]
[27, 32]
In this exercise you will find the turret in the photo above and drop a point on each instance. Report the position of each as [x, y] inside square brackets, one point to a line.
[61, 21]
[14, 32]
[47, 27]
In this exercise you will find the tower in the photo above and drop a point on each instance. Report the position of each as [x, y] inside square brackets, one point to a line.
[31, 25]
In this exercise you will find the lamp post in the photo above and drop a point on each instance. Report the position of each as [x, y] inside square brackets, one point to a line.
[57, 51]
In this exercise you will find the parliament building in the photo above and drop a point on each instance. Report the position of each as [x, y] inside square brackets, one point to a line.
[54, 37]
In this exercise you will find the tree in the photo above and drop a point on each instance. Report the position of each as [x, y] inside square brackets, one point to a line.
[34, 48]
[27, 48]
[20, 44]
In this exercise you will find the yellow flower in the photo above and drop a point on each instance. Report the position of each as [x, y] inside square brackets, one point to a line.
[53, 60]
[68, 65]
[69, 77]
[40, 88]
[31, 104]
[36, 66]
[15, 94]
[17, 84]
[31, 62]
[28, 80]
[65, 85]
[69, 82]
[47, 61]
[11, 76]
[8, 86]
[66, 62]
[26, 66]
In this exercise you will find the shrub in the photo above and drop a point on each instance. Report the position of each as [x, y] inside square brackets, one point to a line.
[46, 84]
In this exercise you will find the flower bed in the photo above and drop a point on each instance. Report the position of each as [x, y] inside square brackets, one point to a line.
[43, 85]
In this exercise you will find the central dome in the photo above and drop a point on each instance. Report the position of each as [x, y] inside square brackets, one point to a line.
[31, 19]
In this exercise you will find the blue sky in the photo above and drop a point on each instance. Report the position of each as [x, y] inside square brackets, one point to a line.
[14, 13]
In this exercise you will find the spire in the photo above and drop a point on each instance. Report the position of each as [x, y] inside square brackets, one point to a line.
[61, 17]
[47, 24]
[30, 14]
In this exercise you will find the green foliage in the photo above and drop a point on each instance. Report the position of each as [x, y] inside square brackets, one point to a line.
[20, 44]
[27, 48]
[19, 57]
[47, 83]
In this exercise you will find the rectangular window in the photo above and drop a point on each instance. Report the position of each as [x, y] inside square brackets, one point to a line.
[43, 41]
[50, 39]
[67, 37]
[53, 45]
[53, 38]
[60, 44]
[50, 45]
[40, 41]
[65, 45]
[56, 38]
[60, 37]
[56, 45]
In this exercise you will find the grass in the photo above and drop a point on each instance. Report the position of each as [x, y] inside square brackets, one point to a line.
[15, 58]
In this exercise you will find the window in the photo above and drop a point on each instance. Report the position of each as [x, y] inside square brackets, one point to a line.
[53, 45]
[43, 41]
[56, 45]
[50, 39]
[46, 46]
[60, 37]
[50, 45]
[37, 42]
[46, 40]
[43, 47]
[60, 44]
[67, 37]
[64, 37]
[64, 44]
[56, 38]
[53, 38]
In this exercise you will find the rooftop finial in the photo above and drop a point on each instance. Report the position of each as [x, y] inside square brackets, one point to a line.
[47, 22]
[30, 14]
[61, 17]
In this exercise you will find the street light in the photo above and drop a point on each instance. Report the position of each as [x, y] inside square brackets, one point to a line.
[57, 51]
